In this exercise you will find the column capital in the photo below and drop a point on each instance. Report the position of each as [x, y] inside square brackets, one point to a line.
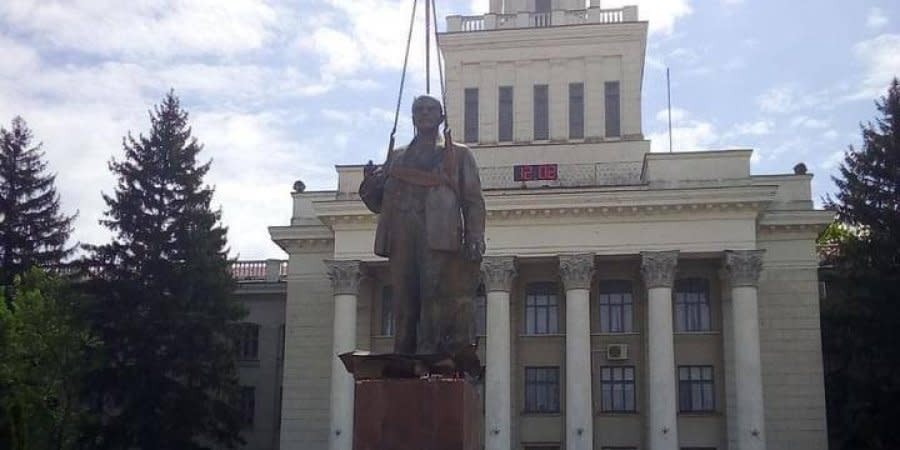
[344, 276]
[658, 268]
[743, 267]
[498, 272]
[576, 271]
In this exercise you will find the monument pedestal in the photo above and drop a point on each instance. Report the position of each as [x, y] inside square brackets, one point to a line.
[417, 414]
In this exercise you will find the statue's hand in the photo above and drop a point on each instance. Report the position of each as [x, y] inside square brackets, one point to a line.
[475, 249]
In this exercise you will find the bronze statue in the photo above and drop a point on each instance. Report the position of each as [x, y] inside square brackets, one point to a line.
[431, 227]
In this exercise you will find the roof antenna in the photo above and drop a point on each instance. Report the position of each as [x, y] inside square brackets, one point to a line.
[669, 97]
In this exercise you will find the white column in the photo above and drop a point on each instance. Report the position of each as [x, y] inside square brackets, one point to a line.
[577, 272]
[743, 269]
[344, 277]
[498, 273]
[658, 270]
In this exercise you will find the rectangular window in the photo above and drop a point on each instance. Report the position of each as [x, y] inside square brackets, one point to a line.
[613, 118]
[617, 389]
[696, 389]
[247, 407]
[692, 312]
[387, 311]
[542, 389]
[541, 112]
[576, 110]
[480, 312]
[248, 341]
[471, 115]
[505, 117]
[542, 308]
[616, 307]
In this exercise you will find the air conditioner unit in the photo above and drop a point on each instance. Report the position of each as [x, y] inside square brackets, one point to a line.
[617, 352]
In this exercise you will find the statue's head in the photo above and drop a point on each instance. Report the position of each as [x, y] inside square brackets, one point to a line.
[427, 113]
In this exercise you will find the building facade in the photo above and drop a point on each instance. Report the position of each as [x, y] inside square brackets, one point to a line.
[630, 300]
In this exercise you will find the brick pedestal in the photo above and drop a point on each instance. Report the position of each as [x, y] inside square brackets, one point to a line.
[417, 414]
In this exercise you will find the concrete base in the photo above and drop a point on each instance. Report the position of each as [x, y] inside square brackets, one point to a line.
[416, 414]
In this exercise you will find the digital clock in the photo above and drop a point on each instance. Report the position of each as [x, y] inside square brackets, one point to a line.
[536, 172]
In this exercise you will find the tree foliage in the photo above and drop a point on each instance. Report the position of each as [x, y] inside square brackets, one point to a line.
[862, 311]
[33, 231]
[165, 298]
[45, 348]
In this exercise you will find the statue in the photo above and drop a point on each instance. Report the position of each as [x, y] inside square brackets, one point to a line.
[431, 227]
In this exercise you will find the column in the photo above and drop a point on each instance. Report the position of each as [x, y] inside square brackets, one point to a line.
[743, 269]
[344, 277]
[576, 272]
[498, 273]
[658, 271]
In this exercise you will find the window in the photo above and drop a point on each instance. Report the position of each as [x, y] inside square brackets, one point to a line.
[617, 389]
[541, 112]
[542, 6]
[619, 448]
[613, 119]
[281, 335]
[248, 341]
[695, 389]
[541, 308]
[471, 115]
[692, 305]
[541, 447]
[542, 389]
[387, 311]
[616, 307]
[505, 119]
[480, 312]
[576, 110]
[247, 406]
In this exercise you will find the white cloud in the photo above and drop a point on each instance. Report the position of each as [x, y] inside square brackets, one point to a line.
[809, 122]
[16, 57]
[687, 133]
[876, 18]
[662, 14]
[758, 128]
[141, 28]
[678, 115]
[732, 2]
[881, 61]
[830, 135]
[833, 160]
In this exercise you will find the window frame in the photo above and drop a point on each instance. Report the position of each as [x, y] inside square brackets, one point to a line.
[471, 119]
[247, 406]
[624, 383]
[692, 305]
[248, 341]
[576, 110]
[505, 114]
[623, 312]
[707, 386]
[541, 124]
[550, 306]
[549, 386]
[612, 108]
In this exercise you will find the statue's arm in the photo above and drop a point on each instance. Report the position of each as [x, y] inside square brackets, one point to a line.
[371, 190]
[472, 203]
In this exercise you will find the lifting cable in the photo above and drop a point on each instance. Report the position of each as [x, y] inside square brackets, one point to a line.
[430, 15]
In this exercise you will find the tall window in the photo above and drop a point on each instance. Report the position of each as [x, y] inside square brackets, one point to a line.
[576, 110]
[541, 112]
[471, 115]
[480, 312]
[247, 406]
[248, 341]
[692, 312]
[617, 389]
[387, 311]
[542, 308]
[613, 109]
[542, 389]
[616, 307]
[696, 391]
[505, 117]
[541, 447]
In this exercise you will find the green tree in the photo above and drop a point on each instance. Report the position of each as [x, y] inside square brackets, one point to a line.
[164, 298]
[861, 314]
[45, 348]
[33, 231]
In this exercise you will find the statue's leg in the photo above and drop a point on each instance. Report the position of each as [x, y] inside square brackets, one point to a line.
[430, 269]
[458, 305]
[405, 285]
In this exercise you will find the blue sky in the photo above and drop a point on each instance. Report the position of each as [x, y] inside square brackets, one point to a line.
[280, 90]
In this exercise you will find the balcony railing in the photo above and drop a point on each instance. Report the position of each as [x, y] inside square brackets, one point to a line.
[541, 20]
[269, 270]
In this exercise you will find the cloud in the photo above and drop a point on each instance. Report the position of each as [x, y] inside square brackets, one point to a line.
[876, 18]
[880, 57]
[678, 115]
[758, 128]
[141, 28]
[809, 122]
[662, 14]
[688, 134]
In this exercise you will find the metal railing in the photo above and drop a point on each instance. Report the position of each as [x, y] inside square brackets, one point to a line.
[593, 15]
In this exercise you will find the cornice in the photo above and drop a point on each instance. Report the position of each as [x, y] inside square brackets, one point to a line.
[302, 239]
[793, 221]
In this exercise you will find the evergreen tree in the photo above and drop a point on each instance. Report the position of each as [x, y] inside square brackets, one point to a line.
[33, 231]
[861, 314]
[165, 298]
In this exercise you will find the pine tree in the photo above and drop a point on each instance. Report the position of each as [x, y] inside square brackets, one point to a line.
[33, 231]
[165, 297]
[862, 312]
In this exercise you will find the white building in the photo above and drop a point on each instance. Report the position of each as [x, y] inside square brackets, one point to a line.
[634, 300]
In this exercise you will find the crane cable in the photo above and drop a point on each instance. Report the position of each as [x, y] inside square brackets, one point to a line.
[412, 22]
